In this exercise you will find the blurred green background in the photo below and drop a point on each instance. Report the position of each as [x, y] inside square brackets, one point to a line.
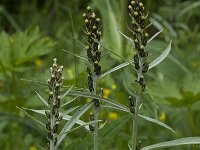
[33, 32]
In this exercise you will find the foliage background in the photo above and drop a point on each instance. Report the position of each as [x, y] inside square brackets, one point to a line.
[33, 32]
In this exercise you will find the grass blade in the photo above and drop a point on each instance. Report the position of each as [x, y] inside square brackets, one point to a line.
[161, 57]
[178, 142]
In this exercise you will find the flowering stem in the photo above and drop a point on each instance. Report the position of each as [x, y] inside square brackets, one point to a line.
[96, 113]
[135, 121]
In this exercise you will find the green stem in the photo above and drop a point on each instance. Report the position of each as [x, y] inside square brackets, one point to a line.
[135, 121]
[52, 119]
[95, 111]
[135, 115]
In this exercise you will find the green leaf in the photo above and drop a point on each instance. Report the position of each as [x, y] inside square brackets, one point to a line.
[70, 101]
[110, 131]
[65, 117]
[154, 36]
[79, 127]
[67, 92]
[109, 13]
[89, 95]
[156, 122]
[70, 110]
[76, 55]
[161, 57]
[115, 68]
[129, 39]
[72, 121]
[43, 100]
[112, 107]
[22, 109]
[188, 8]
[178, 142]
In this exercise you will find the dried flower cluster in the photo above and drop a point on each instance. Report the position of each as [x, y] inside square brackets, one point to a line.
[93, 30]
[54, 83]
[136, 11]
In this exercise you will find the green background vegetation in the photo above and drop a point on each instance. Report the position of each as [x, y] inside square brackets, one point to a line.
[33, 32]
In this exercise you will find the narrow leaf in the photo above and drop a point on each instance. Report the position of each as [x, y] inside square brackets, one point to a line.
[89, 95]
[41, 147]
[70, 101]
[156, 122]
[161, 57]
[44, 101]
[72, 121]
[178, 142]
[67, 92]
[115, 68]
[65, 117]
[154, 36]
[34, 81]
[70, 110]
[22, 109]
[78, 56]
[129, 39]
[79, 127]
[113, 107]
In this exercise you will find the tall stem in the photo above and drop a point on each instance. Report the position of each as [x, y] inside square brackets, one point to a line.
[96, 113]
[135, 121]
[135, 115]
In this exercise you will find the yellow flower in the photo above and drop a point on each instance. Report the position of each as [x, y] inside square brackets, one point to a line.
[33, 148]
[39, 62]
[70, 73]
[162, 117]
[106, 93]
[88, 100]
[113, 86]
[112, 116]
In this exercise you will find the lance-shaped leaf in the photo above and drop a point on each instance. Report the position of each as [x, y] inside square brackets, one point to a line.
[72, 121]
[79, 127]
[65, 116]
[156, 122]
[161, 57]
[69, 101]
[89, 95]
[22, 109]
[129, 39]
[141, 116]
[178, 142]
[43, 100]
[155, 35]
[116, 68]
[67, 92]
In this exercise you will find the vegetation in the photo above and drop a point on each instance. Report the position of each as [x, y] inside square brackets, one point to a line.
[128, 75]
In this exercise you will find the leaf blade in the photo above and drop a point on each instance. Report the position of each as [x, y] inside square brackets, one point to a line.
[178, 142]
[161, 57]
[72, 121]
[156, 122]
